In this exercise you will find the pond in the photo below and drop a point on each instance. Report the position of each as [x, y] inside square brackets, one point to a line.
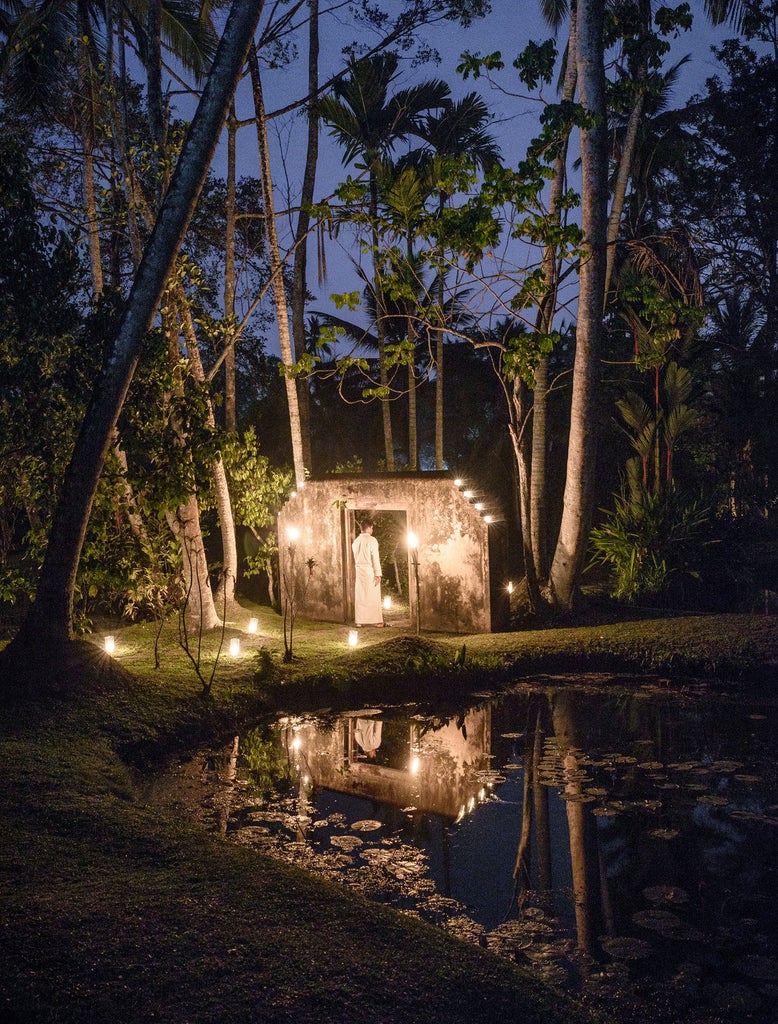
[619, 842]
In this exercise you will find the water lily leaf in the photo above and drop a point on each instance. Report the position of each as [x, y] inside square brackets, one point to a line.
[666, 894]
[367, 825]
[627, 948]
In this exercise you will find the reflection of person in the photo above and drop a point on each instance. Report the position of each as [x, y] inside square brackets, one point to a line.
[367, 733]
[367, 588]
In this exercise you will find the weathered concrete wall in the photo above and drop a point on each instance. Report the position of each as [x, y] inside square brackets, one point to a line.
[453, 551]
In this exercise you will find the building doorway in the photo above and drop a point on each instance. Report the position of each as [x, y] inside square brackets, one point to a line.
[390, 528]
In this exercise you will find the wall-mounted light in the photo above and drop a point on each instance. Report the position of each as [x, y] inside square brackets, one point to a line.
[292, 534]
[110, 644]
[468, 495]
[488, 519]
[414, 766]
[234, 647]
[353, 637]
[479, 506]
[459, 483]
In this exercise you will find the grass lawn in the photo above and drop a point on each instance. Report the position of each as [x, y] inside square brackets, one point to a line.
[111, 912]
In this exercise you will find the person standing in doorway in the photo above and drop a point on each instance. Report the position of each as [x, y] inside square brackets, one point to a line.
[367, 588]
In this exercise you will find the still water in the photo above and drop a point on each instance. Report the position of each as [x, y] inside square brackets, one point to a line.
[619, 842]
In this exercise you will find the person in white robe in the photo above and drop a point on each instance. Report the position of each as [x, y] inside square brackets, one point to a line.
[368, 610]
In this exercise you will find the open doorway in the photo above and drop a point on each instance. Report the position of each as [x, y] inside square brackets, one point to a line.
[390, 528]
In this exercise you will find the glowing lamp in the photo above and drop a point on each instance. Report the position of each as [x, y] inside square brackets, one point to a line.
[234, 647]
[415, 765]
[293, 534]
[479, 505]
[353, 637]
[510, 587]
[467, 494]
[110, 644]
[412, 540]
[387, 602]
[253, 625]
[459, 483]
[488, 519]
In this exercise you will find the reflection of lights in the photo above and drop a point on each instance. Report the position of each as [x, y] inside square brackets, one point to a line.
[253, 625]
[387, 602]
[415, 765]
[353, 637]
[481, 794]
[306, 780]
[461, 815]
[110, 644]
[412, 540]
[292, 533]
[296, 743]
[234, 647]
[471, 805]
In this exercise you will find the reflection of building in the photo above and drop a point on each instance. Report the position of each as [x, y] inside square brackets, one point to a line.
[433, 767]
[460, 556]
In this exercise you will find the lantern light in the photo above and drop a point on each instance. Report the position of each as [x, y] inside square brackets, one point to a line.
[353, 637]
[510, 586]
[110, 644]
[479, 506]
[459, 483]
[467, 494]
[234, 647]
[488, 519]
[412, 540]
[293, 534]
[253, 625]
[387, 601]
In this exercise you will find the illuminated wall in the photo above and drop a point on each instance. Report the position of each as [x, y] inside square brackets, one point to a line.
[460, 549]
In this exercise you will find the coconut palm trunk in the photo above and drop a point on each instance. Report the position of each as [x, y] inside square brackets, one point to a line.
[276, 269]
[584, 413]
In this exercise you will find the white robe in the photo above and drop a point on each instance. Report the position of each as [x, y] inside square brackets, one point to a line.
[367, 594]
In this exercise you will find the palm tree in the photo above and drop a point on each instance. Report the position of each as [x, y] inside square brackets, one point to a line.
[368, 122]
[457, 134]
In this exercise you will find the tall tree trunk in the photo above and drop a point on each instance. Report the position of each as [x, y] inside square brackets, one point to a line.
[413, 433]
[225, 592]
[276, 269]
[300, 264]
[538, 498]
[380, 330]
[185, 524]
[86, 115]
[230, 414]
[584, 413]
[50, 617]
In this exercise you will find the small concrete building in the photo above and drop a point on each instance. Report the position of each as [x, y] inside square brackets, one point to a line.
[454, 576]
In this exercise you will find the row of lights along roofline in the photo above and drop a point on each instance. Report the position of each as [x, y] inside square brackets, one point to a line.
[479, 506]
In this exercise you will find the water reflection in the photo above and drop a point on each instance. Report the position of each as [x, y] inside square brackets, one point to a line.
[622, 844]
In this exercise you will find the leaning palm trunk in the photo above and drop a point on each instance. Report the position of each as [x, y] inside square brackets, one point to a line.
[582, 449]
[51, 616]
[276, 270]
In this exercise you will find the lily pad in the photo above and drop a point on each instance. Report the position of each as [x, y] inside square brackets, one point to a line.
[626, 947]
[366, 825]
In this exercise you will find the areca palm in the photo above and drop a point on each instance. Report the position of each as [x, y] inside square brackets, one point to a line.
[368, 120]
[457, 133]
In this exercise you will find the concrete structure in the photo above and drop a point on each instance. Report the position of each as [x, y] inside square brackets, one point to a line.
[455, 576]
